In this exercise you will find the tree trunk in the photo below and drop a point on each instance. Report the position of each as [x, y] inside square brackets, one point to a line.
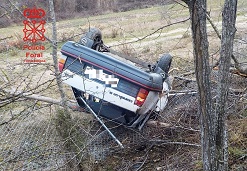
[201, 60]
[54, 55]
[227, 39]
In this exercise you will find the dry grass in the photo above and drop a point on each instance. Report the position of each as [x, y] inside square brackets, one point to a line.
[32, 142]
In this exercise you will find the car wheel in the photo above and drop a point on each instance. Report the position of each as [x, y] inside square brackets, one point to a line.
[165, 62]
[92, 39]
[94, 34]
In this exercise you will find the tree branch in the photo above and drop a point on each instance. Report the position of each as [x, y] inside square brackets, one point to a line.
[242, 71]
[165, 142]
[71, 104]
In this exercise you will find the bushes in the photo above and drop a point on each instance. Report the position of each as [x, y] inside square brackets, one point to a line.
[69, 9]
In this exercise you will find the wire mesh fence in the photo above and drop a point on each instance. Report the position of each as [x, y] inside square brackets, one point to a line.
[31, 141]
[29, 138]
[29, 132]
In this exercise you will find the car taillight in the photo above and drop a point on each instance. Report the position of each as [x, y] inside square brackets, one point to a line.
[61, 63]
[141, 97]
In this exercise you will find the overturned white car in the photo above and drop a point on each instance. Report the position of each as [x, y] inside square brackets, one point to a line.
[112, 88]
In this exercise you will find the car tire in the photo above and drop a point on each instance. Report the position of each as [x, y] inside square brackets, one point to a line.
[92, 39]
[94, 34]
[165, 62]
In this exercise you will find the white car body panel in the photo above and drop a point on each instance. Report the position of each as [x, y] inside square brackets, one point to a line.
[99, 90]
[163, 98]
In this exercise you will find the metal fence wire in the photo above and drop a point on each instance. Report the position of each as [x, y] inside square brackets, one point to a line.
[31, 141]
[29, 138]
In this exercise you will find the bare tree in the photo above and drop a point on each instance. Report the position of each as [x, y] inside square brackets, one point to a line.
[213, 129]
[227, 39]
[201, 58]
[54, 53]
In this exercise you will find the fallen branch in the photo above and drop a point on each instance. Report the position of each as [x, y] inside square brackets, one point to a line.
[187, 73]
[188, 129]
[165, 142]
[173, 69]
[158, 124]
[238, 91]
[241, 71]
[186, 79]
[182, 92]
[70, 104]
